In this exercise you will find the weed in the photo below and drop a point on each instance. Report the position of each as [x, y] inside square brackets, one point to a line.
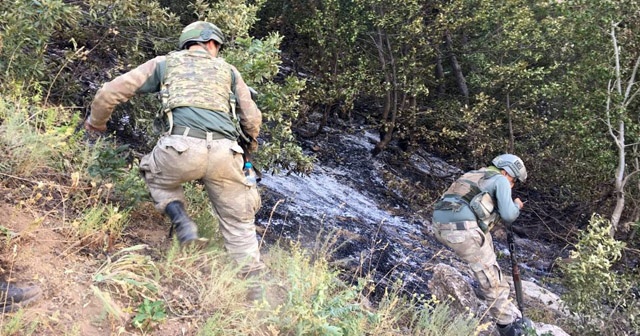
[130, 274]
[31, 138]
[14, 324]
[101, 226]
[149, 313]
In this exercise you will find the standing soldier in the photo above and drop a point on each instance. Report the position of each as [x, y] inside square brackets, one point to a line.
[462, 219]
[201, 126]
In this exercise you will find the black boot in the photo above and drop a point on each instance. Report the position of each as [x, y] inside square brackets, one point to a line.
[13, 298]
[518, 327]
[184, 226]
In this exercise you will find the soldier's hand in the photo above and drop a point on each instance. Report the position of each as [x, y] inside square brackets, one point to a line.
[519, 203]
[92, 133]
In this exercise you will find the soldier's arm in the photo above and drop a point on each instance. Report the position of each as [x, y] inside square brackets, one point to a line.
[507, 207]
[144, 78]
[248, 112]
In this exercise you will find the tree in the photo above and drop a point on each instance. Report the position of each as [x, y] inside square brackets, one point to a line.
[376, 51]
[621, 94]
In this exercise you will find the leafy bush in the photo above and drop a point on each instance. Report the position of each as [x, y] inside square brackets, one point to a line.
[27, 29]
[602, 297]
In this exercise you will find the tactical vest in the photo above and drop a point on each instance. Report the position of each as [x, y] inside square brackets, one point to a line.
[198, 80]
[468, 185]
[467, 189]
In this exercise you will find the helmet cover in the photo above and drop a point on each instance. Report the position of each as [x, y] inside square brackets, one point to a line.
[513, 165]
[200, 31]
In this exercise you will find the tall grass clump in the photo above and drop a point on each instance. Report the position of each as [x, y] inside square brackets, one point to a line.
[34, 138]
[311, 300]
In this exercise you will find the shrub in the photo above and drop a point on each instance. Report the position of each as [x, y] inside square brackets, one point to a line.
[596, 292]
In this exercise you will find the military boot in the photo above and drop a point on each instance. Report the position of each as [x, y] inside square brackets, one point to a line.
[13, 298]
[518, 327]
[185, 228]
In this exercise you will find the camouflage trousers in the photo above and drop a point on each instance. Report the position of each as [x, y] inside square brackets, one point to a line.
[476, 249]
[218, 163]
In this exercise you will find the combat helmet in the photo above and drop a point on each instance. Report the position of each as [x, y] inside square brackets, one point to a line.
[513, 165]
[200, 31]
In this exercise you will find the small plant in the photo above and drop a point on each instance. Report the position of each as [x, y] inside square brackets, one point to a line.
[101, 225]
[131, 188]
[589, 276]
[110, 162]
[111, 167]
[149, 314]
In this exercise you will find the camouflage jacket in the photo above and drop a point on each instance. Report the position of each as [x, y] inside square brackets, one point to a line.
[148, 78]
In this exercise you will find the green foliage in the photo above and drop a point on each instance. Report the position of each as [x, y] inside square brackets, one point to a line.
[106, 219]
[34, 138]
[234, 17]
[316, 303]
[589, 275]
[111, 168]
[110, 162]
[595, 290]
[581, 143]
[368, 49]
[131, 188]
[128, 273]
[258, 61]
[149, 313]
[27, 29]
[52, 43]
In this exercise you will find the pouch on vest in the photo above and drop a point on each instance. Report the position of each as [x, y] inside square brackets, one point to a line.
[483, 207]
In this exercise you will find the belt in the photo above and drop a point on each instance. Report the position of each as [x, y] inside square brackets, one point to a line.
[466, 225]
[195, 133]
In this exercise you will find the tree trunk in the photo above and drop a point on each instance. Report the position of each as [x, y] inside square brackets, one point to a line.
[619, 181]
[510, 120]
[457, 69]
[389, 111]
[440, 91]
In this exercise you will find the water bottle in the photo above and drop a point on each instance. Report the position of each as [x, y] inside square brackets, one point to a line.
[250, 174]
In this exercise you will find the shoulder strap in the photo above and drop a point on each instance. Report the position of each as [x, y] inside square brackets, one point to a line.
[164, 97]
[233, 102]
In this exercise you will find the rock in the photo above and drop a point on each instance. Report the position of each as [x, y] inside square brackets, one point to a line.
[536, 296]
[545, 298]
[448, 283]
[548, 330]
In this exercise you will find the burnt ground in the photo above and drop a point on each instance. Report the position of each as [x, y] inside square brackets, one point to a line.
[400, 246]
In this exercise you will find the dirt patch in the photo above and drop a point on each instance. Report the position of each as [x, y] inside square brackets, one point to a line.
[36, 256]
[38, 249]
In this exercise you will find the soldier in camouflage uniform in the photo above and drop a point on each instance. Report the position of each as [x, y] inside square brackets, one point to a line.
[462, 219]
[200, 93]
